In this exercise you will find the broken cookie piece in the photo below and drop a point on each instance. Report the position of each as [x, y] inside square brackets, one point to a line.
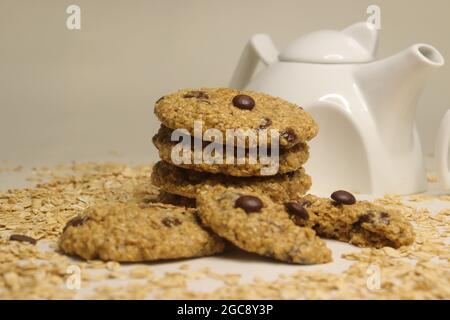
[361, 223]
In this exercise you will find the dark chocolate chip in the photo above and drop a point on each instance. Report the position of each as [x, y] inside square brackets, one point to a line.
[289, 135]
[197, 94]
[249, 203]
[243, 101]
[75, 222]
[384, 215]
[365, 218]
[343, 197]
[385, 218]
[291, 174]
[170, 222]
[297, 209]
[160, 99]
[22, 238]
[265, 123]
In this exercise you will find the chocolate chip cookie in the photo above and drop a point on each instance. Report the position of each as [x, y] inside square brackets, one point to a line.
[126, 232]
[288, 160]
[361, 223]
[186, 183]
[254, 223]
[226, 108]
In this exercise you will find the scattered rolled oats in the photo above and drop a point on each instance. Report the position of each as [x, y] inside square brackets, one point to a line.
[11, 169]
[112, 265]
[419, 271]
[184, 266]
[140, 272]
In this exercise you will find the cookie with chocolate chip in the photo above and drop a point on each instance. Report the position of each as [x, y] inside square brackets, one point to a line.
[361, 223]
[186, 183]
[226, 108]
[127, 232]
[254, 223]
[242, 166]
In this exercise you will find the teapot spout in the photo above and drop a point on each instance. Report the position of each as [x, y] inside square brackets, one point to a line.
[392, 88]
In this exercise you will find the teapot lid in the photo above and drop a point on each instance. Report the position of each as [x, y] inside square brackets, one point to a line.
[355, 44]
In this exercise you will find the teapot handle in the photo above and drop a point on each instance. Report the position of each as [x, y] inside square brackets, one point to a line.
[441, 152]
[259, 47]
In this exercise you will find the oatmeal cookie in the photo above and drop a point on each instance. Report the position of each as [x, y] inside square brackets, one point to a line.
[226, 108]
[255, 223]
[288, 160]
[361, 223]
[127, 232]
[186, 183]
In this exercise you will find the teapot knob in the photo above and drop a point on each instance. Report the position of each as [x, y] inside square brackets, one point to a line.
[365, 34]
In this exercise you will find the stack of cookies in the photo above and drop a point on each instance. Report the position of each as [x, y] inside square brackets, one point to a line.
[192, 113]
[266, 214]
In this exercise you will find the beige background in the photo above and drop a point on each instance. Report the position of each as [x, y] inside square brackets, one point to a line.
[88, 95]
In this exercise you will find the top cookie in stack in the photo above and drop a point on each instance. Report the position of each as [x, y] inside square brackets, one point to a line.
[225, 109]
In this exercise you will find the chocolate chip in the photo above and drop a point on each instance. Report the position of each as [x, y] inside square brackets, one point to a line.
[265, 123]
[160, 99]
[243, 101]
[249, 203]
[291, 174]
[297, 209]
[343, 197]
[289, 135]
[22, 238]
[197, 94]
[75, 222]
[170, 222]
[385, 217]
[365, 218]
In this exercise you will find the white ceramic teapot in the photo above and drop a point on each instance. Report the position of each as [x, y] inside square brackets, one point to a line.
[368, 141]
